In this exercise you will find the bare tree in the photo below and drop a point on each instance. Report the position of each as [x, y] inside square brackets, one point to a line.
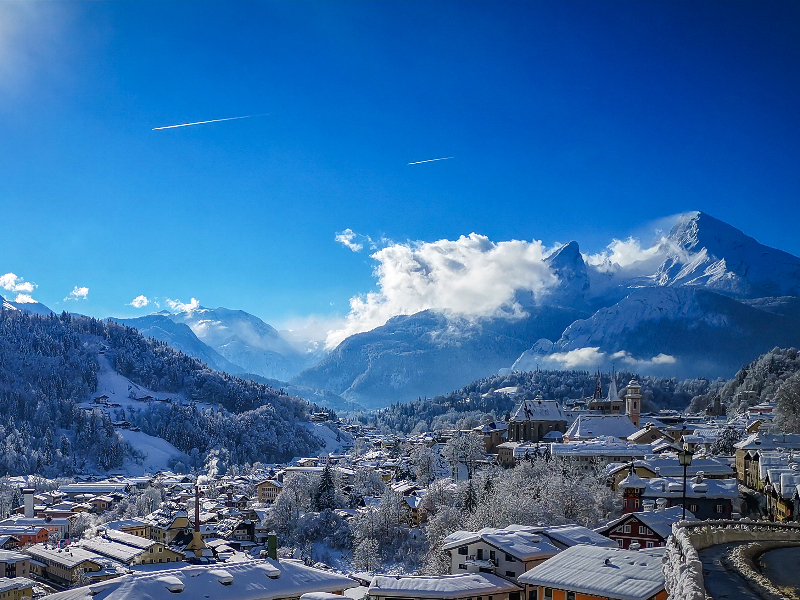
[787, 409]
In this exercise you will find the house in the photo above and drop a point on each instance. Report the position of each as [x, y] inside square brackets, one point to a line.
[25, 535]
[493, 435]
[250, 580]
[443, 587]
[648, 528]
[667, 465]
[58, 528]
[267, 491]
[16, 588]
[596, 573]
[130, 549]
[9, 542]
[167, 522]
[780, 491]
[534, 418]
[517, 548]
[14, 564]
[749, 450]
[648, 434]
[66, 565]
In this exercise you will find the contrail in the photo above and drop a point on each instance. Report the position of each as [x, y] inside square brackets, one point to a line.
[204, 122]
[419, 162]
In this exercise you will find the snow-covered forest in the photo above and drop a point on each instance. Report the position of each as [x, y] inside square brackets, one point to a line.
[470, 403]
[48, 365]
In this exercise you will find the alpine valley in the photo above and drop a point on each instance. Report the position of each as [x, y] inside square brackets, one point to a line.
[702, 301]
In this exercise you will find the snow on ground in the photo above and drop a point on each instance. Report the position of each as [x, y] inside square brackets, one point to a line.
[158, 451]
[328, 437]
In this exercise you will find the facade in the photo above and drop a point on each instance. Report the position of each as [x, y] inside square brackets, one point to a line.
[14, 564]
[268, 490]
[66, 565]
[534, 418]
[648, 528]
[16, 588]
[25, 535]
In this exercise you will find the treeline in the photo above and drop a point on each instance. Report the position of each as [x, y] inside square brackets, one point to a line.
[480, 397]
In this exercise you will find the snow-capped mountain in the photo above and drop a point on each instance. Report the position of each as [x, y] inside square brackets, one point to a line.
[703, 251]
[703, 300]
[245, 340]
[31, 307]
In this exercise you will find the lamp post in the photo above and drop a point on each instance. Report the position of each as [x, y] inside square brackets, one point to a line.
[685, 459]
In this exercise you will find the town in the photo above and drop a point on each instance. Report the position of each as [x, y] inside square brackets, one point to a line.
[390, 515]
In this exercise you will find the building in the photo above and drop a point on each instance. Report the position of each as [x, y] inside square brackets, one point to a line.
[595, 573]
[749, 451]
[268, 490]
[16, 588]
[25, 535]
[534, 418]
[613, 404]
[14, 564]
[667, 465]
[443, 587]
[597, 454]
[511, 551]
[648, 528]
[251, 580]
[66, 565]
[589, 427]
[137, 526]
[130, 549]
[493, 435]
[705, 498]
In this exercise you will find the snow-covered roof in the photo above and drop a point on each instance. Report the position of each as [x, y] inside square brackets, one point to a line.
[601, 448]
[572, 535]
[672, 487]
[587, 427]
[441, 586]
[609, 572]
[70, 557]
[112, 549]
[250, 580]
[659, 521]
[538, 409]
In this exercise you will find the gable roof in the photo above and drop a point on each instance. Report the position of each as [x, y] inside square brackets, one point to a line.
[538, 409]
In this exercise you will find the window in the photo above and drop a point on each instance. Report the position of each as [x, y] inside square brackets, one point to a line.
[463, 550]
[492, 555]
[462, 566]
[160, 549]
[533, 594]
[570, 595]
[509, 558]
[693, 508]
[649, 544]
[620, 543]
[643, 530]
[548, 593]
[627, 529]
[510, 574]
[480, 553]
[719, 508]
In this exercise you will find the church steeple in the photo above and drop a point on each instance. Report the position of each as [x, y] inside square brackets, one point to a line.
[598, 389]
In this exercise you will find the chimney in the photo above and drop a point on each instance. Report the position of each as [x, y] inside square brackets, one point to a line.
[27, 495]
[197, 509]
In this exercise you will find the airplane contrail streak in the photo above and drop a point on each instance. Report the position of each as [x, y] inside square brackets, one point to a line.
[419, 162]
[204, 122]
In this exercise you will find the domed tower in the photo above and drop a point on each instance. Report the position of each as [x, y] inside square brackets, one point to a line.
[632, 488]
[633, 402]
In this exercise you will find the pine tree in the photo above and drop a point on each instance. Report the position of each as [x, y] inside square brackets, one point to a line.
[325, 497]
[470, 498]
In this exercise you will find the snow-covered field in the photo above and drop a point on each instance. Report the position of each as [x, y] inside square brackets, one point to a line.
[158, 451]
[328, 437]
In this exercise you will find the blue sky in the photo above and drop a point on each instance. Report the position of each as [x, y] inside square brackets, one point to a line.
[566, 120]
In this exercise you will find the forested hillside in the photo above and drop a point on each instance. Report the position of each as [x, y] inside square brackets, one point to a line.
[478, 398]
[48, 364]
[764, 375]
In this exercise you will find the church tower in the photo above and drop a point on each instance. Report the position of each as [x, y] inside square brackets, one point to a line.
[633, 402]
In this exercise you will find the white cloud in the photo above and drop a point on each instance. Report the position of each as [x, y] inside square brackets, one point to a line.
[471, 277]
[624, 253]
[592, 357]
[355, 241]
[140, 302]
[24, 299]
[659, 359]
[179, 306]
[574, 359]
[14, 283]
[78, 293]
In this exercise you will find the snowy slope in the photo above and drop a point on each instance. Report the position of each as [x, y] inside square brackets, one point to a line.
[31, 307]
[122, 391]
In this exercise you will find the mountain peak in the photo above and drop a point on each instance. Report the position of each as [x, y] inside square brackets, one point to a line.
[568, 265]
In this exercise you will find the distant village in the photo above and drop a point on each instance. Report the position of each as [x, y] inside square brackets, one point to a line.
[213, 535]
